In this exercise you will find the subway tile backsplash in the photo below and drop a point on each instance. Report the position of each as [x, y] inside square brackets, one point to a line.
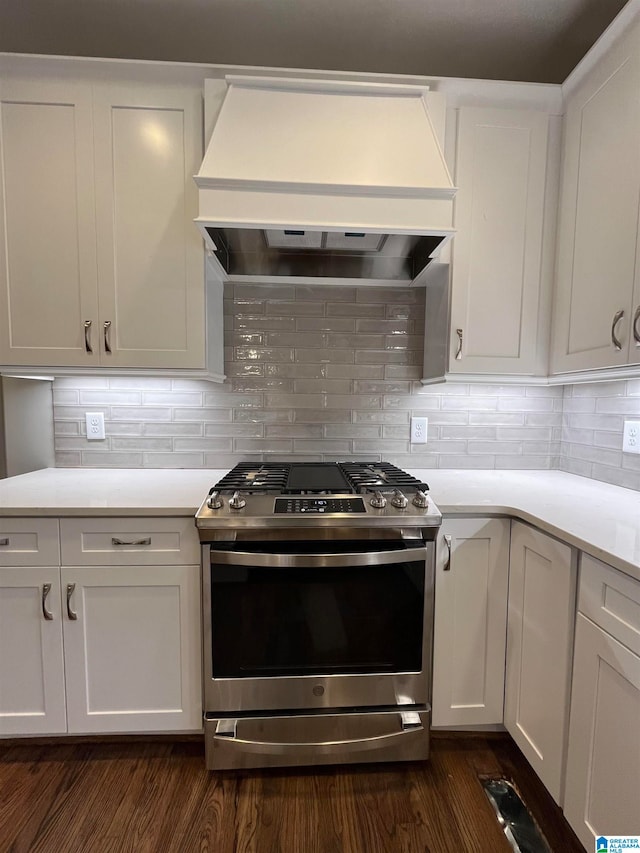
[320, 372]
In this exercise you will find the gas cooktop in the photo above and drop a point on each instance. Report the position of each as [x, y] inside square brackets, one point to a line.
[308, 478]
[317, 494]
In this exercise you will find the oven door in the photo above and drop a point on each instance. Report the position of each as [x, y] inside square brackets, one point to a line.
[317, 625]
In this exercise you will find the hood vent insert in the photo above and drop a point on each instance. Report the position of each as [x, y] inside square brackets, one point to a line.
[323, 179]
[315, 254]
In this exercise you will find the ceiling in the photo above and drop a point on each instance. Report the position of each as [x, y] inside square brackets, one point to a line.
[535, 40]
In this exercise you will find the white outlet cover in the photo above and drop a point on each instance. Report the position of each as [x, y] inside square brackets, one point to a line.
[95, 426]
[631, 437]
[419, 427]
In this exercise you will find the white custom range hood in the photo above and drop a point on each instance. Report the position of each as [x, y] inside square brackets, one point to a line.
[327, 180]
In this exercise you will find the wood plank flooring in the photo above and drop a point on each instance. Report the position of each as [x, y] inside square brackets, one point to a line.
[152, 797]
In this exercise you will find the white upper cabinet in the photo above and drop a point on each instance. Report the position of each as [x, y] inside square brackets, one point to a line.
[501, 169]
[104, 266]
[148, 145]
[597, 294]
[48, 276]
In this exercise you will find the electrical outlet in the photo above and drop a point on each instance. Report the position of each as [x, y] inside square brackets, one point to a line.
[95, 425]
[419, 430]
[631, 437]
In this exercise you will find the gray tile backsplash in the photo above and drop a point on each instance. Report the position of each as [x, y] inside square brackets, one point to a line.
[592, 425]
[323, 372]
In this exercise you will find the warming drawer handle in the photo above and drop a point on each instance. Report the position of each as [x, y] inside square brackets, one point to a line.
[115, 542]
[410, 723]
[310, 561]
[447, 542]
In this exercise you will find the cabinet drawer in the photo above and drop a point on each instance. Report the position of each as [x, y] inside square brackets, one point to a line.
[129, 541]
[29, 542]
[612, 600]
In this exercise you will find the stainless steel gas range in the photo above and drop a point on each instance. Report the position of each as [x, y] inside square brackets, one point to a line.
[318, 614]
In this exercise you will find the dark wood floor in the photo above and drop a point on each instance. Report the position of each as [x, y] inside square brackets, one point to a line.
[152, 797]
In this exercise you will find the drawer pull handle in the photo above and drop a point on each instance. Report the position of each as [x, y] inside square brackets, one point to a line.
[46, 589]
[107, 344]
[614, 338]
[71, 613]
[115, 542]
[87, 336]
[447, 542]
[4, 542]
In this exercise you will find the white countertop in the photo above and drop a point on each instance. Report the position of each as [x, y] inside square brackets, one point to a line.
[595, 517]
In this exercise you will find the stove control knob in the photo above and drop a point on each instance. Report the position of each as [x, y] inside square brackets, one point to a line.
[215, 501]
[421, 500]
[398, 500]
[378, 501]
[237, 502]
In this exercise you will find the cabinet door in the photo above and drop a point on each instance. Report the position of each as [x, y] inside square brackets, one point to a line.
[539, 644]
[501, 167]
[598, 225]
[47, 224]
[132, 655]
[148, 146]
[603, 764]
[470, 621]
[32, 700]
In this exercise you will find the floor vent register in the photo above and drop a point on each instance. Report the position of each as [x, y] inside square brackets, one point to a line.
[514, 817]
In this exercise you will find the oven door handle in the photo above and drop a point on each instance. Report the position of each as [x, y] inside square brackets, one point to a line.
[312, 561]
[409, 722]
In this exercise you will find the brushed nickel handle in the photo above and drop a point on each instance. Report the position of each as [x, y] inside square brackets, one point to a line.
[226, 731]
[4, 542]
[459, 350]
[447, 542]
[106, 326]
[636, 332]
[71, 613]
[87, 336]
[46, 589]
[146, 541]
[616, 319]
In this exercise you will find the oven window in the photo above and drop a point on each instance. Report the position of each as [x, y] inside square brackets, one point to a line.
[294, 621]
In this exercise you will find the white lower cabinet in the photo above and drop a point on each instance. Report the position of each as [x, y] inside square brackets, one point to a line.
[603, 767]
[603, 762]
[89, 649]
[32, 694]
[541, 615]
[472, 572]
[132, 648]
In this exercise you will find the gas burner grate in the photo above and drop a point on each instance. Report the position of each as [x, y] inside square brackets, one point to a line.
[367, 476]
[255, 478]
